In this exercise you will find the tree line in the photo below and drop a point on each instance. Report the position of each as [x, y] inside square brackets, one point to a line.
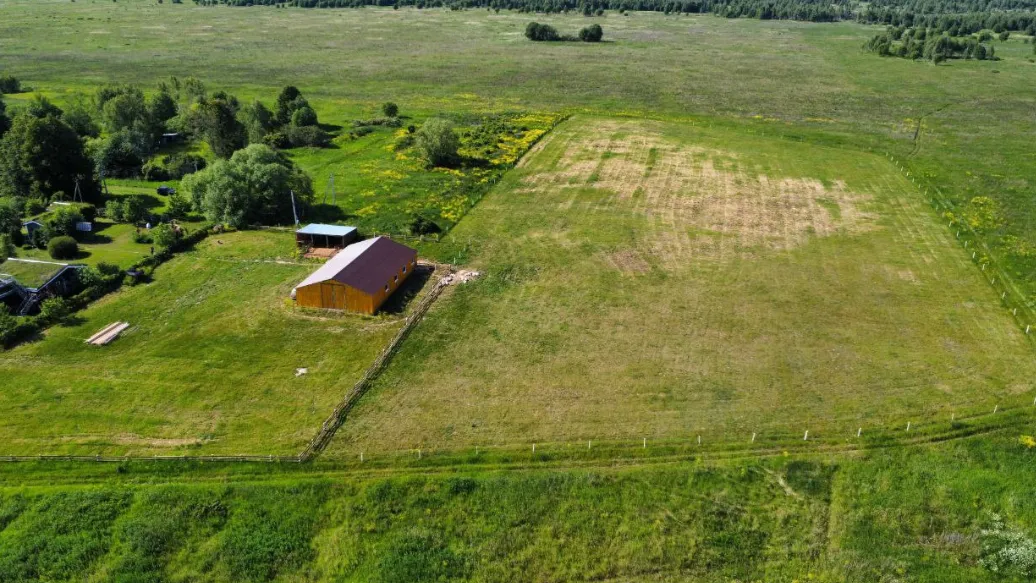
[932, 45]
[968, 16]
[806, 10]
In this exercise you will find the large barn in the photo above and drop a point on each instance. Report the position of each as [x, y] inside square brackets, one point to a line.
[359, 278]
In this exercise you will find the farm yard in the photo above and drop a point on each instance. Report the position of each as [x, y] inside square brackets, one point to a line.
[208, 365]
[665, 280]
[735, 299]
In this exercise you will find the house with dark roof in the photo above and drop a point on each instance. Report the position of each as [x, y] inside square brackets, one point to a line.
[359, 278]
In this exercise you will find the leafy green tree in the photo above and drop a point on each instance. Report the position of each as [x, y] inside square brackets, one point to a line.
[5, 122]
[41, 107]
[285, 100]
[1003, 36]
[120, 154]
[161, 107]
[220, 127]
[541, 32]
[304, 116]
[178, 207]
[166, 235]
[257, 120]
[591, 34]
[390, 109]
[10, 85]
[79, 115]
[40, 158]
[125, 110]
[253, 187]
[135, 209]
[62, 222]
[6, 248]
[438, 142]
[10, 216]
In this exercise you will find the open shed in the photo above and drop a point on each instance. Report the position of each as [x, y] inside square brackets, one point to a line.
[360, 278]
[327, 236]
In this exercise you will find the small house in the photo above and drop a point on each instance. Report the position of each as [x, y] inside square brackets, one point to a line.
[359, 278]
[325, 236]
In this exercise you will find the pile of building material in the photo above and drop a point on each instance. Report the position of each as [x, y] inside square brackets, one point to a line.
[107, 334]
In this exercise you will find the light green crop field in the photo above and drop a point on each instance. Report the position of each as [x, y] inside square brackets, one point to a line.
[663, 280]
[207, 366]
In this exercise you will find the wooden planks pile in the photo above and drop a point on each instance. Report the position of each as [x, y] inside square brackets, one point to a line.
[107, 334]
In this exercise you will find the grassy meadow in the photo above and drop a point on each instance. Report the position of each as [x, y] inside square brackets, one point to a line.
[207, 366]
[713, 244]
[920, 514]
[658, 280]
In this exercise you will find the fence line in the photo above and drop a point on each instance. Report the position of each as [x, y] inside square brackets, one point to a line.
[783, 438]
[982, 256]
[334, 421]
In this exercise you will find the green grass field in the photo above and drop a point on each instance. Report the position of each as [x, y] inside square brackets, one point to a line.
[659, 280]
[714, 244]
[208, 365]
[891, 514]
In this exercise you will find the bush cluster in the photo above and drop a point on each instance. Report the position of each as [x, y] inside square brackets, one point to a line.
[535, 31]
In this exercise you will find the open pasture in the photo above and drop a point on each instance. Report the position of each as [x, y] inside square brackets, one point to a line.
[660, 280]
[207, 366]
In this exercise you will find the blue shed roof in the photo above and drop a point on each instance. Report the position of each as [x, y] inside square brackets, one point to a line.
[329, 230]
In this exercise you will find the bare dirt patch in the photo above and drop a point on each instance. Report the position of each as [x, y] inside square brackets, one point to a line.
[701, 203]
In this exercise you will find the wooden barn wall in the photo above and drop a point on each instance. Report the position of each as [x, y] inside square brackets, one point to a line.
[333, 295]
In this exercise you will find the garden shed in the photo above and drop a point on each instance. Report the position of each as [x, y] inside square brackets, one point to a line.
[31, 227]
[359, 278]
[326, 236]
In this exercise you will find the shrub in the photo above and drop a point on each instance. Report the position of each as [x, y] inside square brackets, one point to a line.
[10, 85]
[63, 221]
[178, 207]
[591, 34]
[310, 135]
[390, 109]
[63, 247]
[424, 226]
[541, 32]
[438, 142]
[143, 237]
[1007, 550]
[304, 116]
[167, 235]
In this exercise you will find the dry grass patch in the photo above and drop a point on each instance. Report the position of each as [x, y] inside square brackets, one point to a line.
[651, 280]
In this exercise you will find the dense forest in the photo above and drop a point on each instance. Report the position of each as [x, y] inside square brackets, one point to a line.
[955, 16]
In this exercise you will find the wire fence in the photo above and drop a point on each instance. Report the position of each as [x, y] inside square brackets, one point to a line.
[993, 270]
[334, 421]
[852, 434]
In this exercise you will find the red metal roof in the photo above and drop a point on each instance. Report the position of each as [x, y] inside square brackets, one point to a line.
[367, 266]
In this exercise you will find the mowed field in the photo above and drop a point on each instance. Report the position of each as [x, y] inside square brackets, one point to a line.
[661, 280]
[208, 365]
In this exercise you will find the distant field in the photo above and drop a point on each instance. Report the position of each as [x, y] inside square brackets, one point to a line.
[647, 279]
[207, 366]
[964, 126]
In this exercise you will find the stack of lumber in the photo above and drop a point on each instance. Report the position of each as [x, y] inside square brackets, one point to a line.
[107, 334]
